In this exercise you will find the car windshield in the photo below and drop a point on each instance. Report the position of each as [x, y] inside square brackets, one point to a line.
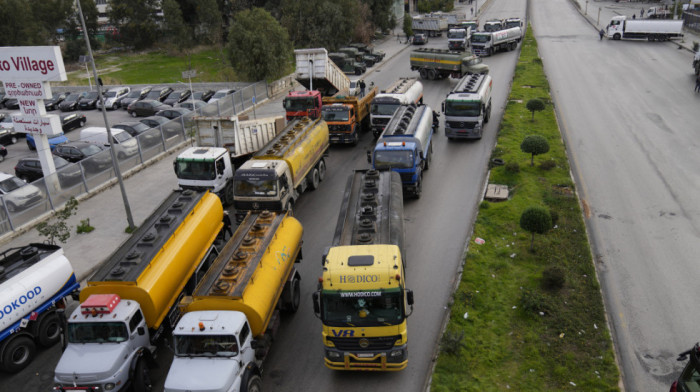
[176, 94]
[72, 97]
[59, 162]
[110, 94]
[362, 308]
[463, 108]
[91, 95]
[121, 137]
[134, 94]
[205, 345]
[140, 127]
[198, 94]
[388, 159]
[195, 170]
[154, 94]
[481, 38]
[10, 184]
[89, 149]
[255, 187]
[100, 332]
[219, 94]
[384, 109]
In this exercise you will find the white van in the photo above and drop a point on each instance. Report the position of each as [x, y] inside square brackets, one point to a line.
[125, 145]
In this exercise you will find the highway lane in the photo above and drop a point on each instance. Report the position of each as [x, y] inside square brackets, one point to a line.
[628, 116]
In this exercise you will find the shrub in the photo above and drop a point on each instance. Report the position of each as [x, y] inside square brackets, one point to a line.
[553, 278]
[548, 165]
[84, 226]
[451, 342]
[534, 145]
[535, 220]
[535, 105]
[533, 301]
[512, 167]
[58, 230]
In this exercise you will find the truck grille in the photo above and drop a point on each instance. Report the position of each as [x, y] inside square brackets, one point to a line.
[375, 344]
[461, 125]
[244, 206]
[337, 128]
[380, 121]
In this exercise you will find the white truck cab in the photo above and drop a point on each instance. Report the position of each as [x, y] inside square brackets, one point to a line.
[213, 353]
[210, 168]
[107, 342]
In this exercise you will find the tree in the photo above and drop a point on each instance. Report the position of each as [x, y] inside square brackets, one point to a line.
[331, 25]
[407, 25]
[209, 28]
[535, 105]
[58, 229]
[535, 220]
[18, 28]
[535, 145]
[135, 22]
[174, 28]
[258, 47]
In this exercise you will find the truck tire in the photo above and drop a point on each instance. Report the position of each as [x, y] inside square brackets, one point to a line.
[322, 169]
[17, 353]
[314, 179]
[423, 73]
[432, 74]
[295, 297]
[48, 331]
[142, 377]
[419, 188]
[616, 36]
[251, 383]
[228, 194]
[429, 157]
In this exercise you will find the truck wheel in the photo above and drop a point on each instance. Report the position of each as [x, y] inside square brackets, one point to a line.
[252, 384]
[142, 377]
[293, 305]
[315, 180]
[228, 194]
[49, 329]
[356, 138]
[423, 73]
[321, 169]
[429, 157]
[616, 36]
[419, 188]
[17, 354]
[432, 75]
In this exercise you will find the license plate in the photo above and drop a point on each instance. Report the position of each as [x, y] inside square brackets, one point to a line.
[365, 355]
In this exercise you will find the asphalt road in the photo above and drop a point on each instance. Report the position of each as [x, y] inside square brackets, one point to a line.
[628, 115]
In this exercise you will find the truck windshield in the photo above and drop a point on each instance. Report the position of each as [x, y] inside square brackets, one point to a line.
[335, 115]
[362, 308]
[103, 332]
[396, 159]
[298, 104]
[255, 187]
[463, 108]
[195, 170]
[481, 38]
[456, 34]
[205, 345]
[384, 109]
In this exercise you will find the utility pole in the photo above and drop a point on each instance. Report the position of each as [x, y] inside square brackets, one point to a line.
[115, 162]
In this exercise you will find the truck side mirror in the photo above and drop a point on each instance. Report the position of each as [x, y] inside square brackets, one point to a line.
[175, 167]
[420, 155]
[443, 107]
[369, 156]
[409, 297]
[324, 255]
[317, 303]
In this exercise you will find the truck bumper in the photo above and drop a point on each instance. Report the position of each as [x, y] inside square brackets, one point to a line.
[393, 360]
[342, 138]
[465, 133]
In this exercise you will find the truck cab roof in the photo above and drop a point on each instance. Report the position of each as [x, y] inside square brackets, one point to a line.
[121, 312]
[214, 322]
[202, 153]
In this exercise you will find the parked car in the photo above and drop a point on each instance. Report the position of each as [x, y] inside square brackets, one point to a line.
[192, 105]
[354, 87]
[89, 100]
[53, 102]
[17, 194]
[29, 169]
[72, 121]
[172, 113]
[177, 96]
[78, 150]
[146, 107]
[154, 121]
[54, 140]
[159, 94]
[220, 94]
[71, 102]
[12, 104]
[112, 96]
[136, 94]
[7, 130]
[203, 95]
[420, 39]
[3, 99]
[3, 152]
[136, 128]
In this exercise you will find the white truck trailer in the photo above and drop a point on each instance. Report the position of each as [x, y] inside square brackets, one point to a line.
[223, 143]
[34, 282]
[431, 25]
[488, 43]
[404, 91]
[653, 30]
[468, 107]
[316, 71]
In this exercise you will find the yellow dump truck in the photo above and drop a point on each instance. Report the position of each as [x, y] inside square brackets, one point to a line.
[133, 297]
[276, 176]
[347, 115]
[230, 319]
[362, 299]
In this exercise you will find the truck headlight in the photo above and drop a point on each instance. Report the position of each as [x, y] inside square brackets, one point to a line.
[397, 353]
[109, 387]
[333, 354]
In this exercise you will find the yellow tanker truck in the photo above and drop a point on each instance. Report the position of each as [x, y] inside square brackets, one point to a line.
[230, 319]
[362, 299]
[133, 297]
[275, 177]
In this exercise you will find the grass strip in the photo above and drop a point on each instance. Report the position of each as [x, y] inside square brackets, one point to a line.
[513, 324]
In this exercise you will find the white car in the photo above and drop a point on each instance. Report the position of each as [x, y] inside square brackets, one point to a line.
[16, 194]
[221, 94]
[7, 130]
[112, 96]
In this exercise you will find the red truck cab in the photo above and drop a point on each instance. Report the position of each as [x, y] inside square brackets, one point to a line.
[300, 104]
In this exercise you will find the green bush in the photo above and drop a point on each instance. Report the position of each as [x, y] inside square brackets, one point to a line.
[553, 278]
[451, 342]
[534, 145]
[535, 220]
[512, 167]
[535, 105]
[548, 165]
[532, 301]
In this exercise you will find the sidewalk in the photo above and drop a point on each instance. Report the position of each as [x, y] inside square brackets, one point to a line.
[590, 10]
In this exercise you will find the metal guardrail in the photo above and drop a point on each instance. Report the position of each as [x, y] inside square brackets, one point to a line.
[23, 205]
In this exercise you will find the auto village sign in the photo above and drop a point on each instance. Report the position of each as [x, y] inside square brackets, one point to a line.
[25, 72]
